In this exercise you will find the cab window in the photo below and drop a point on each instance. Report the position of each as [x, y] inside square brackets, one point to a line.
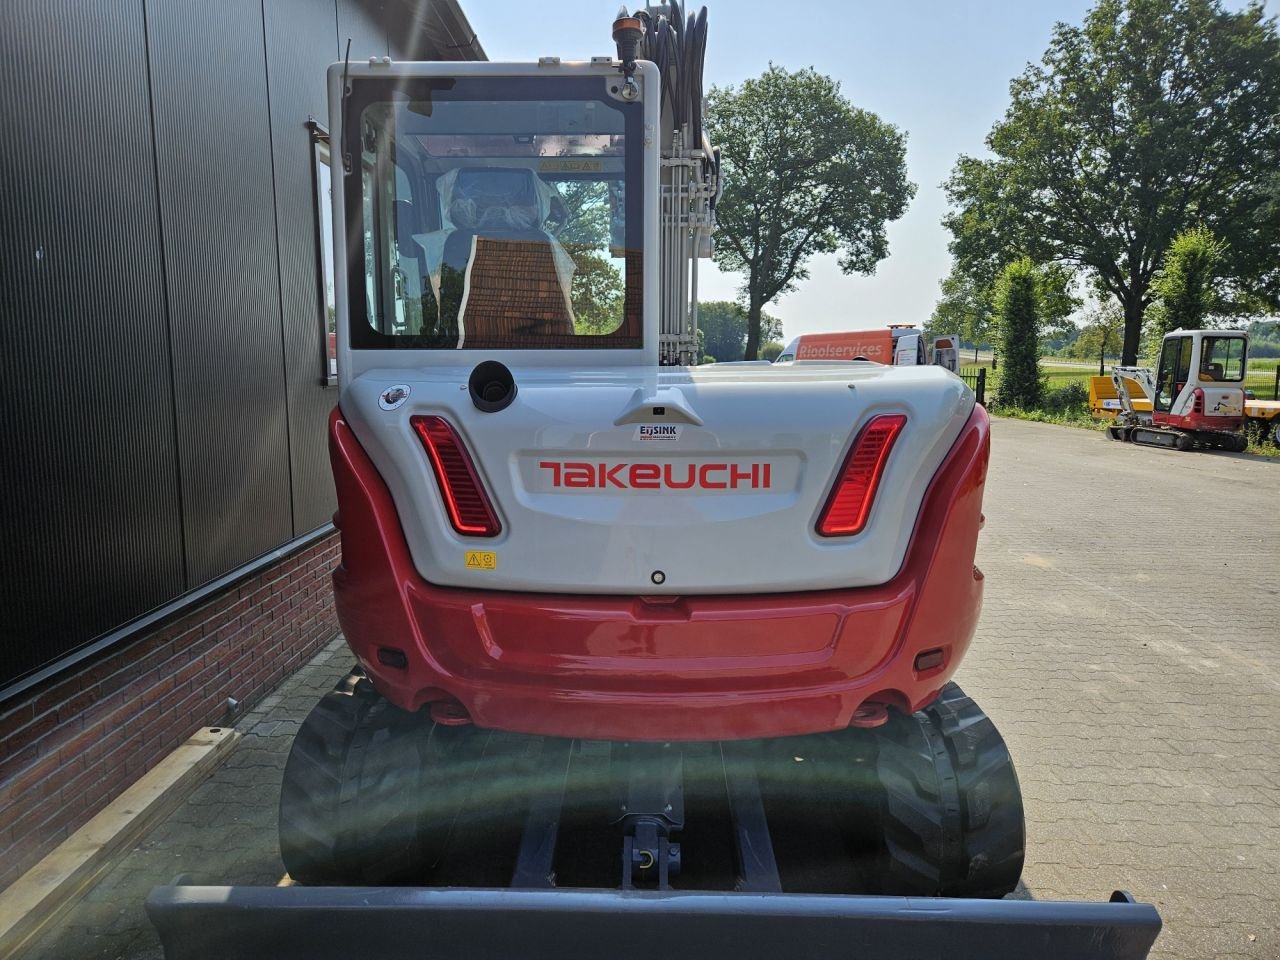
[498, 217]
[1222, 359]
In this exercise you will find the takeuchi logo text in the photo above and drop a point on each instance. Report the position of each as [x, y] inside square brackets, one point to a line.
[659, 476]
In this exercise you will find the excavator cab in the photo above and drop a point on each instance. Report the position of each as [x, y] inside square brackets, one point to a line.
[1183, 399]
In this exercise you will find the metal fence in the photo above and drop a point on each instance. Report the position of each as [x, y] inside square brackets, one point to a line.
[1264, 386]
[976, 378]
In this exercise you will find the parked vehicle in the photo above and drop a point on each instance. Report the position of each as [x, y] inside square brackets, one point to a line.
[1196, 396]
[896, 345]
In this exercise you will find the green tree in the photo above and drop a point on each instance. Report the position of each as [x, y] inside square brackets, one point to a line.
[1017, 305]
[581, 217]
[1101, 336]
[597, 292]
[1264, 297]
[1056, 302]
[722, 325]
[1151, 116]
[580, 221]
[964, 308]
[967, 306]
[805, 173]
[1187, 288]
[771, 351]
[1264, 338]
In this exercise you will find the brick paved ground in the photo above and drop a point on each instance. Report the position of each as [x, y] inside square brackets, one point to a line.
[1132, 661]
[1133, 664]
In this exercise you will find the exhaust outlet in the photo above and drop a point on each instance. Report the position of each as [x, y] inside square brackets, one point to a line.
[492, 386]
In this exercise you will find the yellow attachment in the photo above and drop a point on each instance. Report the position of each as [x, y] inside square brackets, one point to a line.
[1104, 402]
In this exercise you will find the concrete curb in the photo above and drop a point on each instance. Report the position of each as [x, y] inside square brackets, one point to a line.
[44, 894]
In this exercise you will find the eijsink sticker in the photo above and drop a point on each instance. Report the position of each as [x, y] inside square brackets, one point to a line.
[658, 431]
[394, 397]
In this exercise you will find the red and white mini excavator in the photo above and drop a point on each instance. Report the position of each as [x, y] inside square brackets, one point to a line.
[1196, 395]
[653, 659]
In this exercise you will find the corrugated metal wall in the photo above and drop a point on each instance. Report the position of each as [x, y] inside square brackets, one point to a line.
[299, 48]
[213, 136]
[366, 24]
[160, 349]
[89, 472]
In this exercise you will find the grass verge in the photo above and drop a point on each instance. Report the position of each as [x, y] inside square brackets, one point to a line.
[1082, 420]
[1057, 375]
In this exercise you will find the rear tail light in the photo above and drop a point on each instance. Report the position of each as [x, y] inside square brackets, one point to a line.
[460, 486]
[850, 502]
[1197, 404]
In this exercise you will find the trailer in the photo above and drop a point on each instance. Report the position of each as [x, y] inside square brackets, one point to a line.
[1263, 418]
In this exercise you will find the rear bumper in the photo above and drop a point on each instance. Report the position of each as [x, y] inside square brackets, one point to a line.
[687, 668]
[284, 923]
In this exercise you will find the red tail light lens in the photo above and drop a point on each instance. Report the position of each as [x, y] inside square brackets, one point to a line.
[1197, 403]
[464, 496]
[850, 502]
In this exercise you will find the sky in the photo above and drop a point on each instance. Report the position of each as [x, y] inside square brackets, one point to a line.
[939, 71]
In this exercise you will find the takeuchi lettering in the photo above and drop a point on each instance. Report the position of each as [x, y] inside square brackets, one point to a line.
[659, 476]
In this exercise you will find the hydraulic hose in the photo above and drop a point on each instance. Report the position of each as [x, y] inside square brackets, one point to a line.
[678, 45]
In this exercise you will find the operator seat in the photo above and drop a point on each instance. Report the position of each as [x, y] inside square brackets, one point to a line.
[501, 284]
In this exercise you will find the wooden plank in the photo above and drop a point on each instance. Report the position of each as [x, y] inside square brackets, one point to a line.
[46, 892]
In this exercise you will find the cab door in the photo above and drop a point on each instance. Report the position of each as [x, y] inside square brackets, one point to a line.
[1172, 373]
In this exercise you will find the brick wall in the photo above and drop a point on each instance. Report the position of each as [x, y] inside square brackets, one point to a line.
[71, 745]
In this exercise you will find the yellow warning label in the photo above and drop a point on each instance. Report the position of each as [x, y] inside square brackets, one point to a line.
[481, 560]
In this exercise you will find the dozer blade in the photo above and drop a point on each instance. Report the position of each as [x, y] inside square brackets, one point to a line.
[398, 923]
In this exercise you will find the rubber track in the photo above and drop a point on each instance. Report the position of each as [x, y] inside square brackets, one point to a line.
[348, 802]
[952, 815]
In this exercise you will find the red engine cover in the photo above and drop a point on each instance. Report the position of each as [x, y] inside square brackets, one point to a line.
[662, 668]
